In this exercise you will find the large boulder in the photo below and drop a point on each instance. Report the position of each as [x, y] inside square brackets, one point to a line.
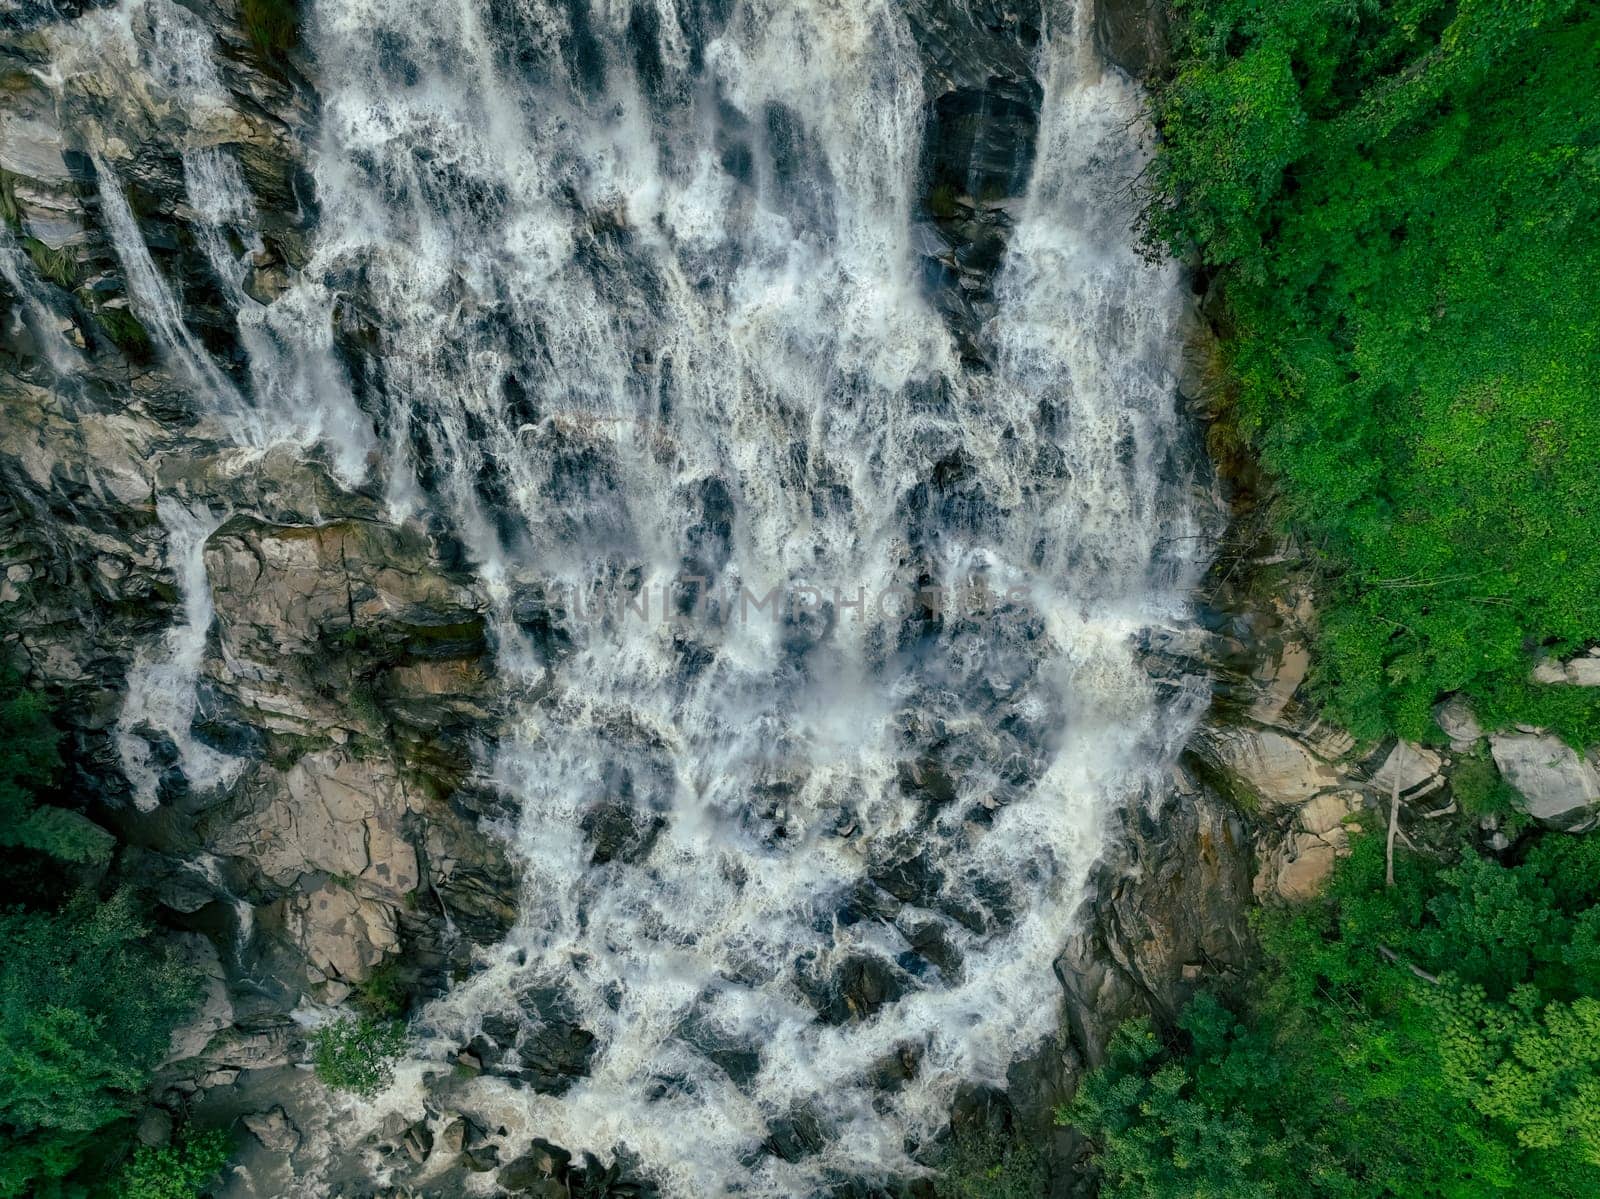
[1558, 787]
[1456, 717]
[1297, 866]
[1276, 768]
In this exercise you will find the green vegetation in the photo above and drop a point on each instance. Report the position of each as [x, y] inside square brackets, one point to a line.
[383, 995]
[126, 333]
[1401, 203]
[179, 1171]
[88, 1000]
[1437, 1038]
[273, 25]
[989, 1165]
[58, 266]
[357, 1053]
[10, 213]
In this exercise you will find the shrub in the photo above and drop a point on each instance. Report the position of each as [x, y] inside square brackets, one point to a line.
[1478, 787]
[357, 1053]
[1440, 1037]
[125, 332]
[180, 1171]
[990, 1165]
[87, 1008]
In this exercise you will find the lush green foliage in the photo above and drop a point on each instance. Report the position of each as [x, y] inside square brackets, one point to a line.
[1437, 1038]
[28, 763]
[1402, 201]
[357, 1053]
[87, 1008]
[178, 1171]
[273, 25]
[87, 1000]
[986, 1164]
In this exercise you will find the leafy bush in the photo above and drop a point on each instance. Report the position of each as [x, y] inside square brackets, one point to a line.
[1478, 788]
[1441, 1037]
[180, 1171]
[273, 25]
[383, 995]
[357, 1053]
[1401, 203]
[989, 1165]
[87, 1007]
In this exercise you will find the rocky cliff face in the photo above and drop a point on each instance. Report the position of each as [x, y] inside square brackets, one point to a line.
[283, 698]
[291, 766]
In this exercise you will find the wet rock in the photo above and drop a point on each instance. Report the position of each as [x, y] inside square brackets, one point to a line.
[896, 1068]
[417, 1141]
[1133, 34]
[1173, 889]
[795, 1136]
[1557, 786]
[540, 1172]
[555, 1052]
[618, 832]
[274, 1130]
[854, 989]
[482, 1159]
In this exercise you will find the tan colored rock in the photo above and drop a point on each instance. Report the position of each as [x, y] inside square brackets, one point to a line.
[1279, 680]
[330, 812]
[1326, 814]
[1275, 766]
[342, 934]
[1298, 866]
[295, 590]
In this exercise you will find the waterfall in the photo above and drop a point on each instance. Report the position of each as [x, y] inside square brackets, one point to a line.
[647, 306]
[819, 642]
[161, 682]
[157, 306]
[37, 314]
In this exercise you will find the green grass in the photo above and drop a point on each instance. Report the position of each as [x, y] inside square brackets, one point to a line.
[273, 25]
[59, 266]
[10, 213]
[124, 331]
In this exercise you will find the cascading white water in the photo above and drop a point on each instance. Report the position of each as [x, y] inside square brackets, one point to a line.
[613, 358]
[162, 678]
[643, 290]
